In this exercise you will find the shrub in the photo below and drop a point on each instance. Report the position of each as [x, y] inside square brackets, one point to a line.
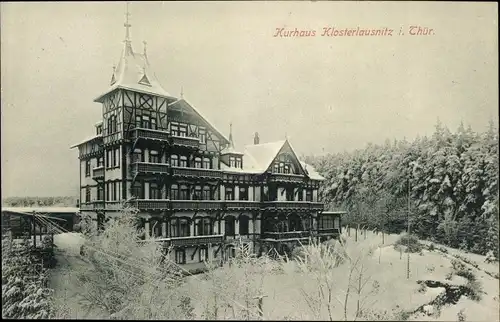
[409, 243]
[461, 316]
[431, 247]
[460, 269]
[474, 290]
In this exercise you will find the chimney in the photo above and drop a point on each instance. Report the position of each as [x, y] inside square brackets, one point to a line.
[256, 138]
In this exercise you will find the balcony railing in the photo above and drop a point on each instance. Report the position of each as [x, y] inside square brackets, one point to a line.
[196, 240]
[197, 204]
[196, 173]
[153, 204]
[316, 206]
[185, 141]
[286, 205]
[148, 134]
[242, 205]
[287, 235]
[98, 173]
[93, 205]
[291, 178]
[328, 231]
[146, 167]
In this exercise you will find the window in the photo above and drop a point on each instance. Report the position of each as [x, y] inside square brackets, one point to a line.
[183, 161]
[183, 227]
[154, 157]
[244, 225]
[287, 169]
[138, 121]
[326, 222]
[153, 123]
[276, 168]
[100, 192]
[300, 193]
[243, 193]
[238, 163]
[184, 193]
[174, 192]
[174, 129]
[206, 193]
[87, 168]
[203, 135]
[289, 193]
[183, 130]
[229, 193]
[116, 158]
[232, 162]
[115, 190]
[308, 195]
[174, 160]
[204, 227]
[138, 190]
[203, 254]
[87, 194]
[146, 123]
[154, 191]
[197, 193]
[174, 227]
[100, 162]
[112, 124]
[99, 129]
[229, 226]
[180, 256]
[281, 167]
[206, 163]
[197, 162]
[107, 191]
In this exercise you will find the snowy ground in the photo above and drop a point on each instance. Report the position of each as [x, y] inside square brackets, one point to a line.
[284, 299]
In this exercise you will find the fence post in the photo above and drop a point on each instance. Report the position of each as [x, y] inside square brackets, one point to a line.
[260, 304]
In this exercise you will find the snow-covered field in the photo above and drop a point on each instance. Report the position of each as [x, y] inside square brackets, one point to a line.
[283, 290]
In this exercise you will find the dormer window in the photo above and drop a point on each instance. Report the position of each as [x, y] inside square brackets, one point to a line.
[232, 162]
[202, 135]
[238, 163]
[144, 80]
[287, 169]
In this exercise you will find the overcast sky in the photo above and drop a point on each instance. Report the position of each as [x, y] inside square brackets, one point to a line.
[327, 94]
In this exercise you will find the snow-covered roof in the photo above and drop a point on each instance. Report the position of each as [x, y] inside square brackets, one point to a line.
[134, 72]
[43, 210]
[86, 140]
[258, 157]
[311, 172]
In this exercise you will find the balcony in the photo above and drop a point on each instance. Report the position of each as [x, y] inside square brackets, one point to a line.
[196, 240]
[196, 173]
[328, 231]
[92, 205]
[316, 206]
[148, 134]
[151, 204]
[185, 141]
[98, 173]
[286, 235]
[288, 178]
[154, 168]
[242, 205]
[287, 205]
[197, 205]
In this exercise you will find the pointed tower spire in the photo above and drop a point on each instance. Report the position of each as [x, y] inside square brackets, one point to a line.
[231, 143]
[127, 25]
[113, 78]
[145, 46]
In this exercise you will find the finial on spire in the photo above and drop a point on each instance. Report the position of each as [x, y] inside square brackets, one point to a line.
[145, 46]
[127, 25]
[182, 92]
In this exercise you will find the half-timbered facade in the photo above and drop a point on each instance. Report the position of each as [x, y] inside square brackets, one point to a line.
[193, 189]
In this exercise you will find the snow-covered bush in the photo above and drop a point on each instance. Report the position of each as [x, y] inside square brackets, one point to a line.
[24, 291]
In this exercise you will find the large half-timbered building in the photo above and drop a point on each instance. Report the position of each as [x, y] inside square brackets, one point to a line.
[193, 189]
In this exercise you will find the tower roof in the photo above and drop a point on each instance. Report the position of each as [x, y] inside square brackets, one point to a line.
[134, 71]
[230, 148]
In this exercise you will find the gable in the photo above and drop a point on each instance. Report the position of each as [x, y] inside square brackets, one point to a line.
[184, 107]
[287, 155]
